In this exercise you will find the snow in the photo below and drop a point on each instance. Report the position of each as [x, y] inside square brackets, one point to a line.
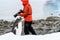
[11, 36]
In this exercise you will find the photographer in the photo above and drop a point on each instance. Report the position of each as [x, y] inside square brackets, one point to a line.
[27, 14]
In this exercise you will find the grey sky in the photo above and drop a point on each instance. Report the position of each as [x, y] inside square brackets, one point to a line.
[9, 7]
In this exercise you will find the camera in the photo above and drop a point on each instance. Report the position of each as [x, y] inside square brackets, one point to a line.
[21, 11]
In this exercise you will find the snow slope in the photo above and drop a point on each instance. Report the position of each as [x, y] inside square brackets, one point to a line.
[11, 36]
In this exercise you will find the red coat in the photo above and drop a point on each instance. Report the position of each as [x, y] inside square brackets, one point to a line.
[27, 13]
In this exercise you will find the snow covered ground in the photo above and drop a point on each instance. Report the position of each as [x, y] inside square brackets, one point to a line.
[11, 36]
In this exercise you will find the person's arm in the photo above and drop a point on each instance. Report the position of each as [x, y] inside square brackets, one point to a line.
[25, 12]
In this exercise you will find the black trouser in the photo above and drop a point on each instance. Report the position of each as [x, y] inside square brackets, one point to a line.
[28, 28]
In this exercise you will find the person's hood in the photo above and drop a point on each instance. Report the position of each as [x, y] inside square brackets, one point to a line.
[25, 2]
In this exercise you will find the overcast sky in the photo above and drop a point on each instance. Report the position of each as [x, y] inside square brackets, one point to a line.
[9, 7]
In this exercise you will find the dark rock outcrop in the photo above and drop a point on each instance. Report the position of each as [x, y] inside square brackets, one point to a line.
[42, 26]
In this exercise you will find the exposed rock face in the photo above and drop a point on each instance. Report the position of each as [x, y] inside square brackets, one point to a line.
[42, 26]
[5, 26]
[50, 25]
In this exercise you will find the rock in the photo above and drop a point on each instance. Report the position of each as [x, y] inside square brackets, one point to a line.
[50, 25]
